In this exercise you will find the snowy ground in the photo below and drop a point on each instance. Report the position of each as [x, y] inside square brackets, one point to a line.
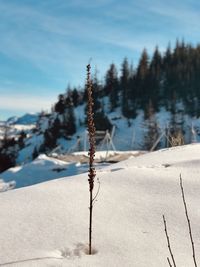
[40, 170]
[46, 168]
[47, 224]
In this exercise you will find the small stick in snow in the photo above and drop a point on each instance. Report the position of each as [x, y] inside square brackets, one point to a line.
[168, 243]
[188, 221]
[169, 262]
[97, 193]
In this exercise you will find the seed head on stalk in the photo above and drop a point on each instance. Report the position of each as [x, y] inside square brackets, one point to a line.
[91, 153]
[91, 131]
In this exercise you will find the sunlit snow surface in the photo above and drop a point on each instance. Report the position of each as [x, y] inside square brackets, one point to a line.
[40, 170]
[46, 168]
[47, 224]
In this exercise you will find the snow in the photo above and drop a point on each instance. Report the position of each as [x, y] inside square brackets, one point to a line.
[129, 134]
[40, 170]
[6, 186]
[105, 154]
[45, 168]
[14, 130]
[47, 224]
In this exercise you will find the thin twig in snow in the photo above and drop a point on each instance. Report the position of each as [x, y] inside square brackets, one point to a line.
[188, 221]
[168, 243]
[97, 193]
[169, 262]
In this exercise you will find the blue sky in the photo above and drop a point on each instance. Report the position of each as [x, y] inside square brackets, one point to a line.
[45, 45]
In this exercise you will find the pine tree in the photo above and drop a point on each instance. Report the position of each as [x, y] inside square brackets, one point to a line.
[142, 81]
[21, 139]
[75, 97]
[101, 120]
[152, 133]
[155, 76]
[70, 120]
[112, 87]
[35, 153]
[55, 128]
[60, 105]
[49, 140]
[143, 66]
[125, 88]
[6, 161]
[166, 88]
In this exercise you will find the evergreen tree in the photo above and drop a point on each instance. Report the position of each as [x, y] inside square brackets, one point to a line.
[49, 140]
[166, 82]
[142, 80]
[51, 134]
[60, 105]
[152, 133]
[55, 129]
[101, 120]
[6, 161]
[112, 87]
[8, 151]
[70, 119]
[75, 97]
[125, 88]
[21, 139]
[35, 153]
[155, 76]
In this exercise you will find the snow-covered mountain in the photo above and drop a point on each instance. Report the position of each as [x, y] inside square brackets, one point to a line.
[13, 126]
[26, 119]
[47, 224]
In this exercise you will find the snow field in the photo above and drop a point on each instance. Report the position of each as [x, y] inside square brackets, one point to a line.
[47, 224]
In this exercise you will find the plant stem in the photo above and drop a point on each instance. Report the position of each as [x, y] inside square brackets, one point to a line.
[188, 221]
[91, 153]
[168, 243]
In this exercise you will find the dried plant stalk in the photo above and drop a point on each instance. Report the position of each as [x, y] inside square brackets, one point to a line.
[168, 260]
[188, 221]
[168, 244]
[91, 153]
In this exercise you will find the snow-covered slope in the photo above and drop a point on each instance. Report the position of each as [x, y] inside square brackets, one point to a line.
[45, 168]
[37, 133]
[40, 170]
[47, 224]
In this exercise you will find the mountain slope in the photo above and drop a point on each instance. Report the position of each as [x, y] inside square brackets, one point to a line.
[55, 132]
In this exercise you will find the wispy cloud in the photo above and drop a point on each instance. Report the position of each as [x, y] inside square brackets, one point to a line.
[186, 20]
[61, 45]
[54, 39]
[50, 38]
[19, 102]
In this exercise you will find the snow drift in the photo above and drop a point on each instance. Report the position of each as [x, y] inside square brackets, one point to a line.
[47, 224]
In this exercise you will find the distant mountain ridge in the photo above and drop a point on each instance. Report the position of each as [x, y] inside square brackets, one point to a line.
[26, 119]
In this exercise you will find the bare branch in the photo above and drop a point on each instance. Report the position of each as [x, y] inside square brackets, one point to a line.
[168, 243]
[188, 221]
[169, 262]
